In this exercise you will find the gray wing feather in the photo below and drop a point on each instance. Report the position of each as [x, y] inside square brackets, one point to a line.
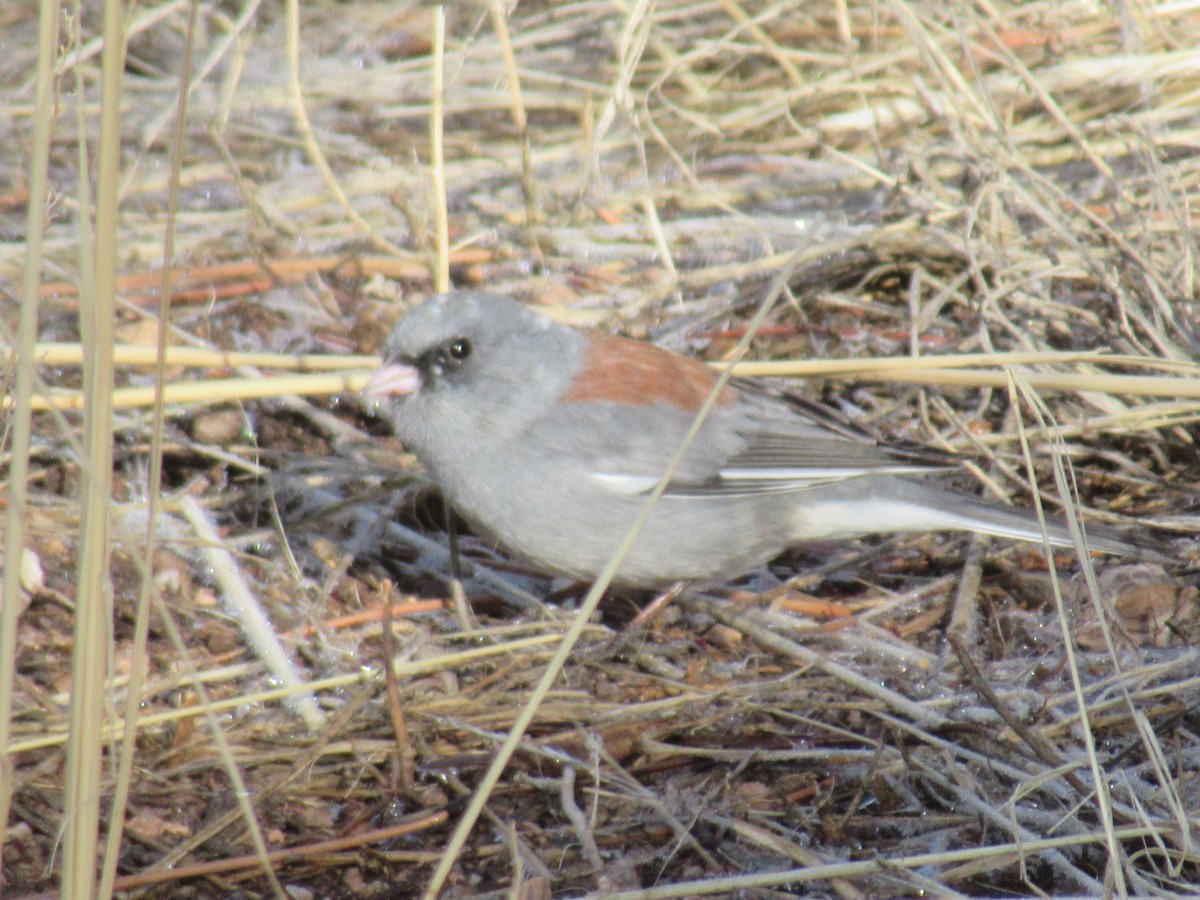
[767, 443]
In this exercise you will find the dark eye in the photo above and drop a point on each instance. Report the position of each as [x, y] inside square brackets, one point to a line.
[458, 349]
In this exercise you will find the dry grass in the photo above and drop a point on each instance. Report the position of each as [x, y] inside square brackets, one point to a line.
[1007, 182]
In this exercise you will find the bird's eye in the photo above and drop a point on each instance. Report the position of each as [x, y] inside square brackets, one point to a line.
[447, 356]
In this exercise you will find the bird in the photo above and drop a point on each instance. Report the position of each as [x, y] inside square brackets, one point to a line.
[548, 440]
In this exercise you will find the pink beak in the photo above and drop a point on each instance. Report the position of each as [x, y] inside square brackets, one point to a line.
[393, 380]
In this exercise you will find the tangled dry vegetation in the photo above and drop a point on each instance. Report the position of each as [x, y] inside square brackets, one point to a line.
[894, 717]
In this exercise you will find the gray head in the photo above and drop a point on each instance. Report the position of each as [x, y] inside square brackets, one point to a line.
[469, 366]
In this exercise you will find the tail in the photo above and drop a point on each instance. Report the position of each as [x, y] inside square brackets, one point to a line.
[888, 505]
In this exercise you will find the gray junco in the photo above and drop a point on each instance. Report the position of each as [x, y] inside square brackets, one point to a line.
[549, 440]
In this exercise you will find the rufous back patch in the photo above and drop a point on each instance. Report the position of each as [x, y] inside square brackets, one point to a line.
[620, 370]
